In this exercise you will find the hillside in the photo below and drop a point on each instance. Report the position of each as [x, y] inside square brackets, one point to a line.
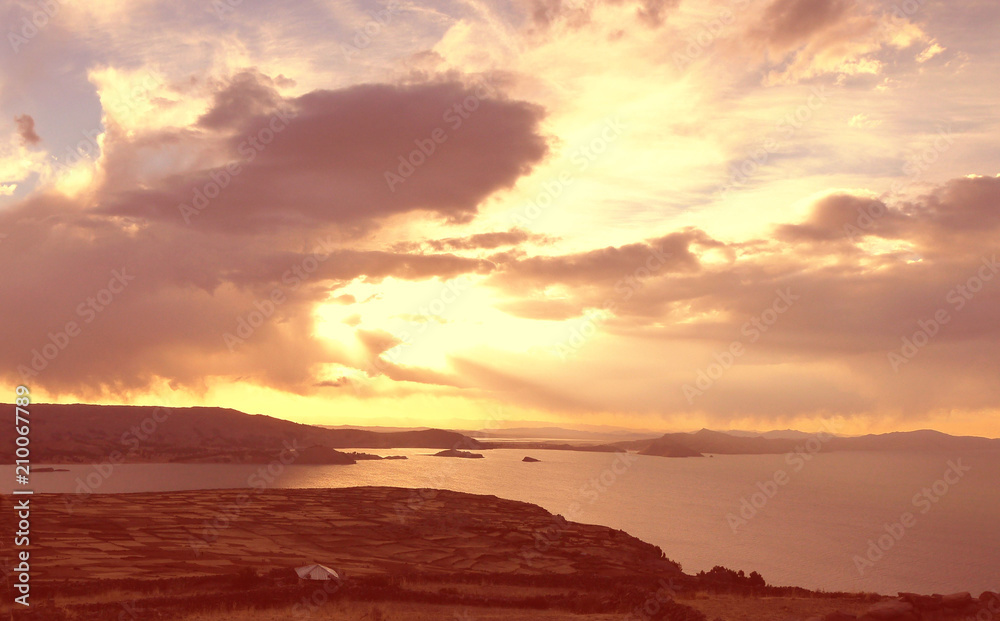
[715, 442]
[361, 530]
[401, 554]
[81, 433]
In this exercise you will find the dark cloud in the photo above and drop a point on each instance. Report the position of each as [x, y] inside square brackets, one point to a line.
[959, 216]
[843, 218]
[248, 95]
[606, 266]
[26, 129]
[185, 292]
[787, 23]
[350, 157]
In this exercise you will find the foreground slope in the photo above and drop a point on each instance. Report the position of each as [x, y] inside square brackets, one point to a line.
[409, 555]
[362, 530]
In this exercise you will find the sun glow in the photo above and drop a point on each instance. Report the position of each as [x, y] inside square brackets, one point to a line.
[432, 320]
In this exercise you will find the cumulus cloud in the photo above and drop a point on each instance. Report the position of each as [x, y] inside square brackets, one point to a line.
[950, 221]
[347, 157]
[249, 94]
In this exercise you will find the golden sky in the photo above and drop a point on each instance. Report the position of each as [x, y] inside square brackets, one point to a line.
[659, 215]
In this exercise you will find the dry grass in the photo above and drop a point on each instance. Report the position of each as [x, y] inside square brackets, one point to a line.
[737, 608]
[478, 588]
[365, 611]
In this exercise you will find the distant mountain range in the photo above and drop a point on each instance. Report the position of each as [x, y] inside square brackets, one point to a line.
[82, 433]
[777, 433]
[595, 433]
[558, 433]
[720, 443]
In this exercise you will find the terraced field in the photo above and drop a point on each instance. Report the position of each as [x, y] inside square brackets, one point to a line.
[360, 531]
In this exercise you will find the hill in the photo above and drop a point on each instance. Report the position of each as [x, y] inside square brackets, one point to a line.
[81, 433]
[706, 441]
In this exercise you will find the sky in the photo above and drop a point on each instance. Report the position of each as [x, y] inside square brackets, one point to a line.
[653, 214]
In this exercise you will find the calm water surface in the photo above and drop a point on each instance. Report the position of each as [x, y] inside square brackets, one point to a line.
[829, 513]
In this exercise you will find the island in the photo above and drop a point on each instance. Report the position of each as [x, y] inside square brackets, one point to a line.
[458, 453]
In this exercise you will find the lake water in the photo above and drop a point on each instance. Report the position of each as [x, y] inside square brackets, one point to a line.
[810, 531]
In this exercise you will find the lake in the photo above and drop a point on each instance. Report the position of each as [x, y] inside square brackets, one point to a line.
[853, 521]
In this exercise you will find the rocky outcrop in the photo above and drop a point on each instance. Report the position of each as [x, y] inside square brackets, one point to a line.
[891, 610]
[530, 459]
[957, 600]
[916, 607]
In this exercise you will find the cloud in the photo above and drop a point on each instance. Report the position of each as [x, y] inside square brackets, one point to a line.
[953, 219]
[605, 266]
[852, 304]
[786, 24]
[863, 121]
[26, 129]
[929, 52]
[803, 39]
[326, 214]
[346, 157]
[234, 292]
[545, 14]
[487, 241]
[841, 217]
[249, 94]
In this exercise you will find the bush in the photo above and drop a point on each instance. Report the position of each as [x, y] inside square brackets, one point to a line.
[246, 578]
[721, 576]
